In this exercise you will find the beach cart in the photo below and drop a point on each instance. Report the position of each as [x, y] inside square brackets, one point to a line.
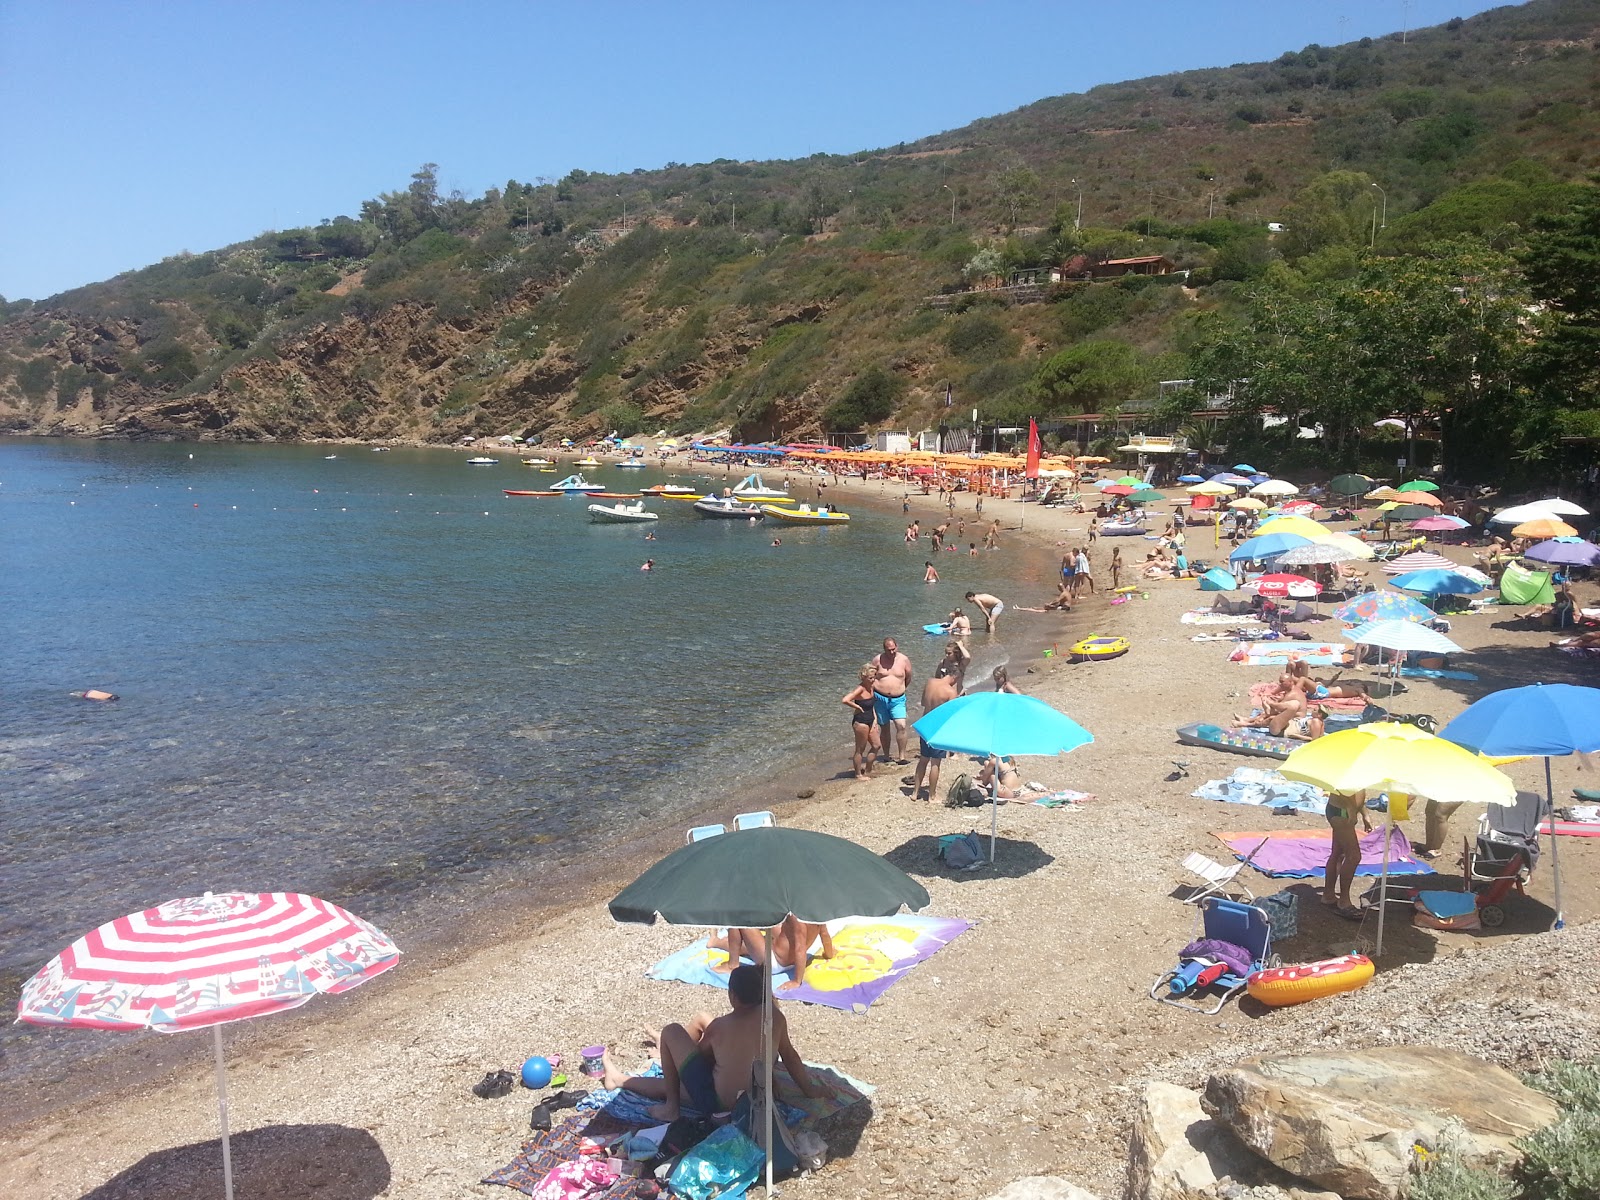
[1235, 940]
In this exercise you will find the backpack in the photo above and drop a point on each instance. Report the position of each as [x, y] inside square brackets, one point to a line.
[750, 1118]
[959, 793]
[961, 850]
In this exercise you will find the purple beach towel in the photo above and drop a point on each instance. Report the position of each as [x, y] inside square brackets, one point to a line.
[1303, 853]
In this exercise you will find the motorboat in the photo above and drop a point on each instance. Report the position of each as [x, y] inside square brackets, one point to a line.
[329, 457]
[483, 462]
[752, 488]
[726, 506]
[537, 462]
[577, 483]
[517, 492]
[673, 490]
[587, 460]
[635, 463]
[380, 449]
[620, 513]
[804, 515]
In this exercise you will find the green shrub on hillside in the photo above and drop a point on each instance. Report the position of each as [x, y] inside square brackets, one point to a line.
[870, 398]
[977, 337]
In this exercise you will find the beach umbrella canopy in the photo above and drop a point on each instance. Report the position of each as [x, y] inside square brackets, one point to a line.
[1551, 720]
[1381, 606]
[1437, 583]
[1283, 584]
[1248, 504]
[1003, 724]
[1439, 524]
[1304, 526]
[754, 878]
[1210, 488]
[1139, 485]
[1349, 485]
[1544, 527]
[1299, 508]
[1218, 580]
[1537, 509]
[1108, 484]
[1418, 485]
[1357, 548]
[1131, 480]
[1191, 478]
[1409, 512]
[1237, 481]
[1274, 487]
[205, 961]
[1316, 552]
[1426, 499]
[1117, 489]
[1268, 546]
[1386, 493]
[1417, 560]
[1244, 468]
[1560, 552]
[1403, 636]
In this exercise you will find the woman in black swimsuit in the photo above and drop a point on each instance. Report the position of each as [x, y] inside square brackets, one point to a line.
[863, 721]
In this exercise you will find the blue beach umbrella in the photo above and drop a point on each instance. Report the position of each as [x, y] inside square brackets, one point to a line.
[1547, 719]
[1218, 580]
[1003, 724]
[1381, 606]
[1268, 545]
[1231, 479]
[1437, 583]
[1244, 468]
[1191, 478]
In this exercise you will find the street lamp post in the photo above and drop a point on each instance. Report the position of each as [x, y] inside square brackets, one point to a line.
[952, 192]
[1077, 222]
[1383, 221]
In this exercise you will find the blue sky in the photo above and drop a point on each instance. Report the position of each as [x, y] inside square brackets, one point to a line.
[138, 130]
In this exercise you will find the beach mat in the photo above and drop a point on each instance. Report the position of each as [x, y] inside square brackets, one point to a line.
[625, 1109]
[1279, 654]
[872, 953]
[544, 1152]
[1303, 853]
[1346, 704]
[1572, 828]
[1209, 616]
[1433, 673]
[1264, 788]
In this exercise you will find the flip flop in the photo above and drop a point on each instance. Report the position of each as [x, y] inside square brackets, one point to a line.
[493, 1085]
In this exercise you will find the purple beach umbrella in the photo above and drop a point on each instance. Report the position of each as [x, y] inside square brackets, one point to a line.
[1565, 554]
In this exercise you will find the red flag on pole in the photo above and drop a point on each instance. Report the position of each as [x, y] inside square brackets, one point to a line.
[1033, 449]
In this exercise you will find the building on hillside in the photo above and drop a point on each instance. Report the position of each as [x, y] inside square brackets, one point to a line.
[1082, 267]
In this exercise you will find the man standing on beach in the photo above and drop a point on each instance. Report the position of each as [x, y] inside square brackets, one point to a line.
[992, 607]
[1085, 573]
[889, 699]
[943, 687]
[993, 536]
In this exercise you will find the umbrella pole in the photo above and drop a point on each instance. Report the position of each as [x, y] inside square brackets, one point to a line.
[222, 1112]
[1383, 882]
[766, 1048]
[1555, 857]
[994, 808]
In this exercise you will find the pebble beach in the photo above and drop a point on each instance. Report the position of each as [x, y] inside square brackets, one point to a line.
[1014, 1051]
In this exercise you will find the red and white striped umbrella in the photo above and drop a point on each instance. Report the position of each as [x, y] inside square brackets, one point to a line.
[1418, 560]
[204, 961]
[1283, 585]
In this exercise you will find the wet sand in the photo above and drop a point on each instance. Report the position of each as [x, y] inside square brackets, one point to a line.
[1012, 1052]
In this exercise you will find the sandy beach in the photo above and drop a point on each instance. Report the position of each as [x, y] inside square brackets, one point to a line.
[1015, 1051]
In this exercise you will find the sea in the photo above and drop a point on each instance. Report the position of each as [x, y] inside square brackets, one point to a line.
[376, 678]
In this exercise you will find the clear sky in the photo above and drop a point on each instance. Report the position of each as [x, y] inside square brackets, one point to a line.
[138, 130]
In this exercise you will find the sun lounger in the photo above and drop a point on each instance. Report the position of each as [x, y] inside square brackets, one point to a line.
[1217, 877]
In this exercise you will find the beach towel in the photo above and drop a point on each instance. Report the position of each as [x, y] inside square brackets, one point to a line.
[1572, 828]
[1065, 798]
[557, 1149]
[871, 954]
[1279, 654]
[1430, 673]
[1341, 704]
[1580, 651]
[1266, 789]
[1210, 616]
[1303, 853]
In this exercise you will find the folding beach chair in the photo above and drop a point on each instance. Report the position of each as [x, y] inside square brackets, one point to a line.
[1198, 972]
[1217, 877]
[754, 820]
[701, 832]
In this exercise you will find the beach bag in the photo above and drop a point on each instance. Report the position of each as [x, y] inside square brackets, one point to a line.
[959, 851]
[955, 795]
[719, 1168]
[750, 1118]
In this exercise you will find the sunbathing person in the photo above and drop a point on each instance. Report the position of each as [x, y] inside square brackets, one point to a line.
[791, 947]
[739, 944]
[1010, 784]
[707, 1063]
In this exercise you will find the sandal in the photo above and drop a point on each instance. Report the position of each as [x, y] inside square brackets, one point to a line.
[494, 1085]
[545, 1109]
[1350, 914]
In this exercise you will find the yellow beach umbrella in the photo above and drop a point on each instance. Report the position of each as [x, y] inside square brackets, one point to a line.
[1248, 503]
[1546, 527]
[1393, 757]
[1304, 526]
[1345, 541]
[1210, 488]
[1386, 493]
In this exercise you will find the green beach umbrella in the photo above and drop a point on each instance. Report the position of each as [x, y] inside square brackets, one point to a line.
[1131, 480]
[1418, 485]
[754, 878]
[1350, 485]
[1410, 512]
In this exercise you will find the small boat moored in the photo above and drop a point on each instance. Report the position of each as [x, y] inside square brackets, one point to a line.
[672, 490]
[726, 506]
[804, 515]
[632, 462]
[577, 483]
[516, 492]
[1095, 648]
[587, 460]
[537, 462]
[752, 488]
[483, 462]
[623, 512]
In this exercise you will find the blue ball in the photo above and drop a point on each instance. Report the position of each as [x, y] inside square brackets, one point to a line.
[536, 1072]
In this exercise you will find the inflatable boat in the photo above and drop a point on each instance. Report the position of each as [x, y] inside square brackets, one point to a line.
[1236, 741]
[1122, 529]
[587, 460]
[804, 515]
[517, 492]
[1280, 986]
[1095, 648]
[727, 507]
[621, 513]
[483, 462]
[673, 491]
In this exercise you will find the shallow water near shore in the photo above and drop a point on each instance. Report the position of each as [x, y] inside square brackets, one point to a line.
[377, 679]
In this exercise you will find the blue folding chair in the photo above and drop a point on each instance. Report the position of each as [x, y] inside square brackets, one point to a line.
[701, 832]
[754, 820]
[1241, 925]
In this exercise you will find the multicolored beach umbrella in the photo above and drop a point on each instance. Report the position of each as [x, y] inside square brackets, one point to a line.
[204, 961]
[1381, 606]
[1417, 560]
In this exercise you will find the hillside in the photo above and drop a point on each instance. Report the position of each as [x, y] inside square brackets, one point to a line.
[786, 298]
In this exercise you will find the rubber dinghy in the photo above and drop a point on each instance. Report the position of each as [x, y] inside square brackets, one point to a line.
[622, 513]
[804, 515]
[1236, 741]
[726, 507]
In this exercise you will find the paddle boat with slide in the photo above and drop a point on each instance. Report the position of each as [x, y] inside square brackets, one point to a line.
[726, 507]
[483, 462]
[804, 515]
[577, 483]
[620, 513]
[751, 487]
[587, 460]
[537, 462]
[633, 463]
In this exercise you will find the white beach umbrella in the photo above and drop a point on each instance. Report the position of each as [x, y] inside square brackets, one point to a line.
[1537, 510]
[1274, 487]
[1317, 552]
[1357, 548]
[1401, 637]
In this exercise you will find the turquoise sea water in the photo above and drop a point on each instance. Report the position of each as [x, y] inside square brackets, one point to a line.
[377, 679]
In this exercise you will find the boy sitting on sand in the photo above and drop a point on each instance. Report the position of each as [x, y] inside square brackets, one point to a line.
[707, 1064]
